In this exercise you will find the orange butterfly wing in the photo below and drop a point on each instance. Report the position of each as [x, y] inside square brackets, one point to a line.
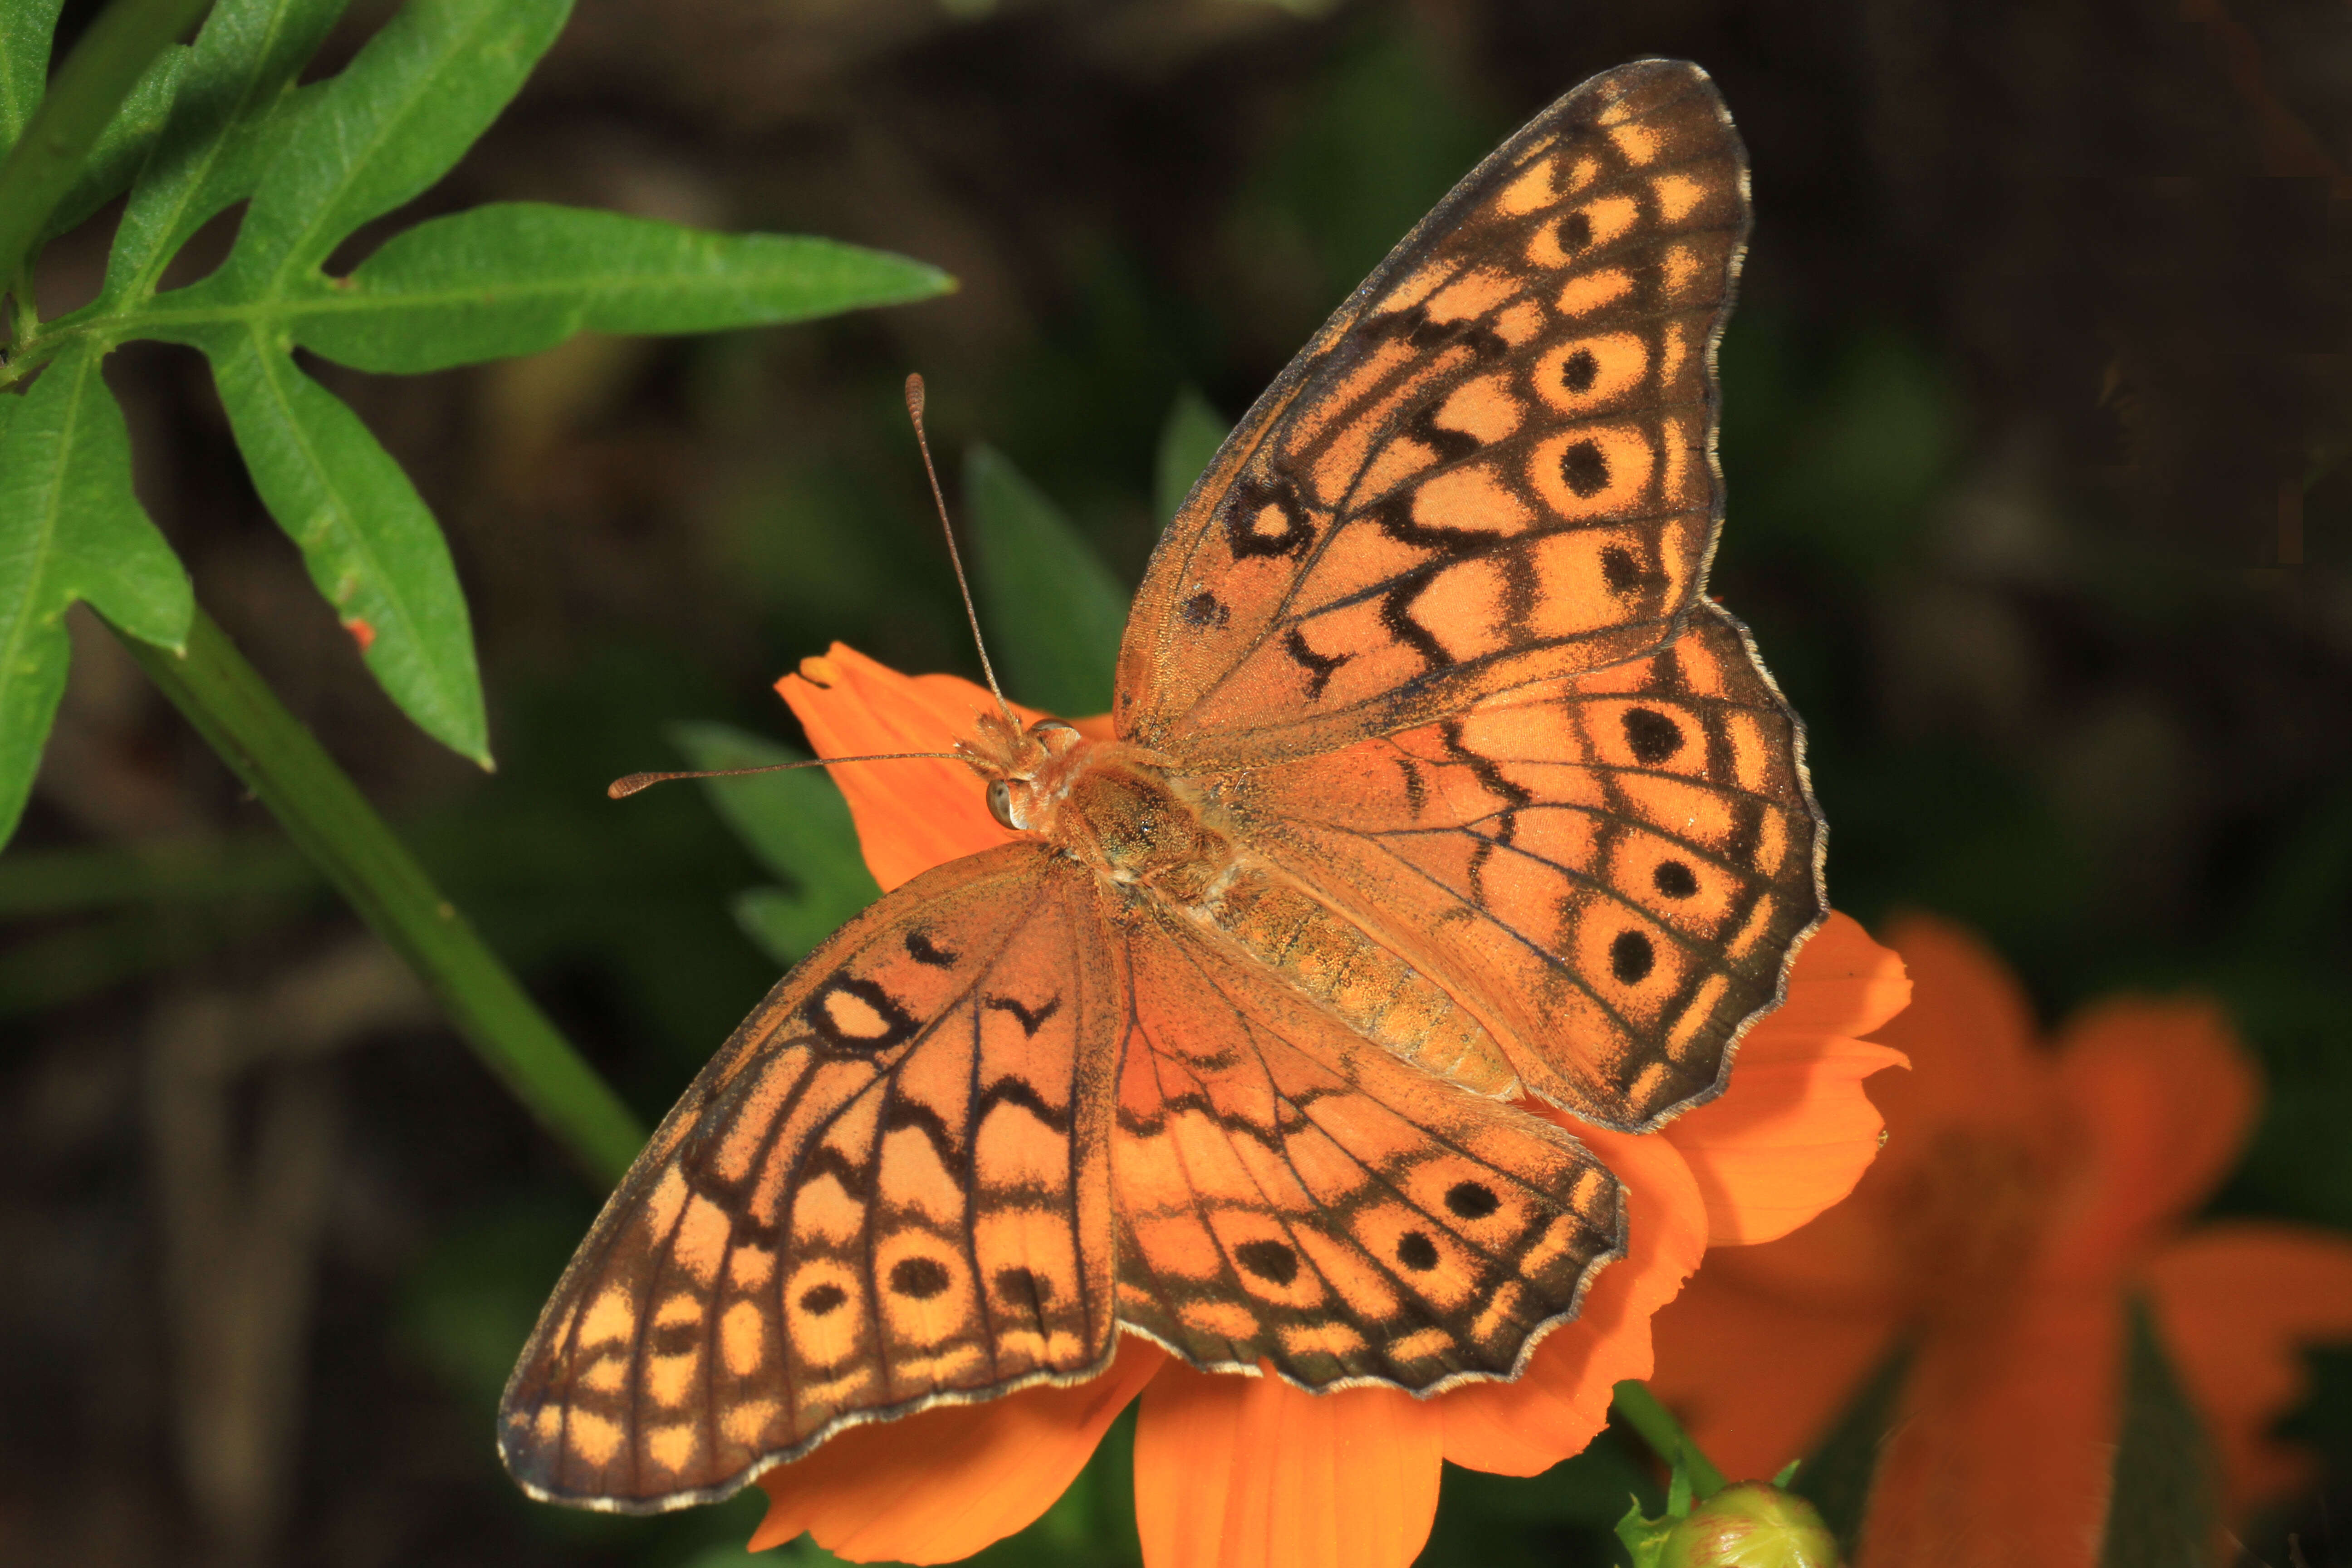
[1493, 465]
[891, 1188]
[1288, 1192]
[1612, 871]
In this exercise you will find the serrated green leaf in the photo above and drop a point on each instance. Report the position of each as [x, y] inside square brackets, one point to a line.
[123, 145]
[2162, 1510]
[1054, 611]
[797, 826]
[69, 529]
[27, 29]
[104, 68]
[393, 121]
[227, 118]
[1187, 442]
[371, 547]
[517, 278]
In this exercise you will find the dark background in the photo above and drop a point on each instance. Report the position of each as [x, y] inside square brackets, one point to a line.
[2036, 414]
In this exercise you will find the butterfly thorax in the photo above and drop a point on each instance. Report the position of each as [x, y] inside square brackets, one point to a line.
[1156, 841]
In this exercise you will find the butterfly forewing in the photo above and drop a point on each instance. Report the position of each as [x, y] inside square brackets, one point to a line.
[1614, 871]
[1288, 1192]
[1494, 465]
[891, 1187]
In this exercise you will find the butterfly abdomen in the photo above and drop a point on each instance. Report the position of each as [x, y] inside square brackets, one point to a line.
[1139, 827]
[1372, 990]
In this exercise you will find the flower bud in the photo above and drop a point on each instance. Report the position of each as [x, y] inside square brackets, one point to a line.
[1752, 1525]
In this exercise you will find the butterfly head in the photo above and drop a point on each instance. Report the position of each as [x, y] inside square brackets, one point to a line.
[1028, 770]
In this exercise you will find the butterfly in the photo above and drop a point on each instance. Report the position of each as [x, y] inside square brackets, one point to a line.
[1438, 783]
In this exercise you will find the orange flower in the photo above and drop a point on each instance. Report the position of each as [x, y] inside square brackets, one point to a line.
[2023, 1198]
[1239, 1471]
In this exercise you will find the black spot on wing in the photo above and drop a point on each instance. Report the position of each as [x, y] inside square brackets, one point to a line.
[1205, 609]
[922, 949]
[1472, 1200]
[1584, 469]
[1631, 957]
[919, 1277]
[1651, 735]
[1269, 1260]
[1674, 879]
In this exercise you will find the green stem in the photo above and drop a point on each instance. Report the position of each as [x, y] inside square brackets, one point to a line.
[83, 96]
[1659, 1428]
[23, 320]
[330, 821]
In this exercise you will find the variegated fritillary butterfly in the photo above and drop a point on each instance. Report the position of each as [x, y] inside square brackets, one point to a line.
[1438, 781]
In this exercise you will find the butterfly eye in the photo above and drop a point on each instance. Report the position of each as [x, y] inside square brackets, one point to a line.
[1045, 727]
[1000, 803]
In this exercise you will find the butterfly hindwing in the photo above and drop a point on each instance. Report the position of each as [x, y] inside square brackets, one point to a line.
[1494, 465]
[890, 1188]
[1288, 1193]
[1614, 871]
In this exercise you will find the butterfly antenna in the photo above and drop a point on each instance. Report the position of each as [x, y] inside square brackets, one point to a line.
[623, 788]
[963, 586]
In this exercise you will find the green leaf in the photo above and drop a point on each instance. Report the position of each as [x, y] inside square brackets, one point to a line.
[1187, 442]
[69, 529]
[391, 124]
[123, 145]
[1054, 613]
[797, 826]
[371, 547]
[1837, 1476]
[105, 68]
[518, 278]
[27, 28]
[228, 117]
[2162, 1512]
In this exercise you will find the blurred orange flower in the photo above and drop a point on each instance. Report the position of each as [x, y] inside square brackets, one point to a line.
[2025, 1195]
[1241, 1471]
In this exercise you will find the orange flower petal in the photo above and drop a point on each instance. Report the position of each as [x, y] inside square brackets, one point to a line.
[1970, 1038]
[911, 815]
[1249, 1472]
[1555, 1408]
[940, 1484]
[2001, 1459]
[2162, 1095]
[1793, 1141]
[1758, 1379]
[1794, 1131]
[2236, 1301]
[1842, 984]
